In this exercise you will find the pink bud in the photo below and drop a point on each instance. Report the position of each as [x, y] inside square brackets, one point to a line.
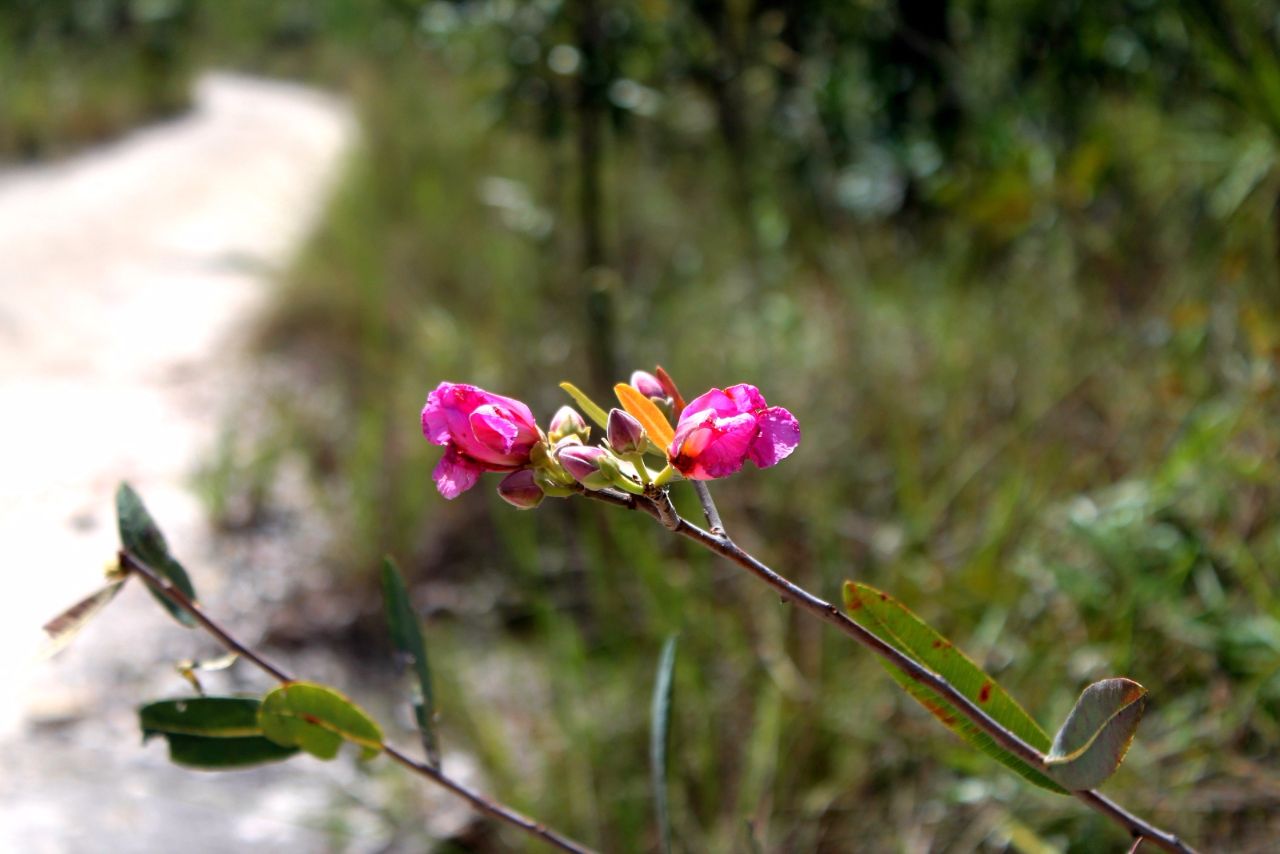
[624, 432]
[647, 384]
[581, 461]
[567, 422]
[520, 489]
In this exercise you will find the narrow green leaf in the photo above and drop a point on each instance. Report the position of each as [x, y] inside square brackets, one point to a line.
[406, 636]
[1096, 735]
[889, 620]
[658, 738]
[587, 405]
[62, 628]
[211, 733]
[142, 538]
[317, 719]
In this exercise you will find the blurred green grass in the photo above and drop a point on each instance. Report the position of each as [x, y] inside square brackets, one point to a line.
[1039, 405]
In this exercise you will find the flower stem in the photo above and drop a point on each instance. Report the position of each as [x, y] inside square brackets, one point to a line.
[131, 563]
[659, 506]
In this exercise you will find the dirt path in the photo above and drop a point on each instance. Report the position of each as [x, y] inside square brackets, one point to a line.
[126, 276]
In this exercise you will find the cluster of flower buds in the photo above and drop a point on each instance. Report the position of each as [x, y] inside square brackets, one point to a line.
[713, 436]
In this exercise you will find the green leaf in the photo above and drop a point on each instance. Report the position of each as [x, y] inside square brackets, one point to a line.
[212, 717]
[1096, 735]
[587, 405]
[220, 754]
[406, 636]
[889, 620]
[658, 738]
[211, 733]
[141, 537]
[62, 628]
[317, 719]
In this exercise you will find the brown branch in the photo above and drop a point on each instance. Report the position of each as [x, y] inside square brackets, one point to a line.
[503, 813]
[722, 545]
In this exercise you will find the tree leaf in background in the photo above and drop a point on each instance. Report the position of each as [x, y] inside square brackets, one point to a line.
[406, 636]
[658, 738]
[587, 405]
[62, 628]
[317, 719]
[1096, 735]
[889, 620]
[141, 537]
[212, 733]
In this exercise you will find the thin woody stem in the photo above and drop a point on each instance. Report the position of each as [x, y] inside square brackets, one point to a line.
[721, 544]
[709, 509]
[497, 810]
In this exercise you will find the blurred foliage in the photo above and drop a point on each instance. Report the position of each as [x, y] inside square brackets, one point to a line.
[78, 71]
[1012, 263]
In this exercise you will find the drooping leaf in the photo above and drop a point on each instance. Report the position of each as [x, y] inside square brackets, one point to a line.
[62, 628]
[212, 733]
[658, 738]
[317, 719]
[587, 405]
[647, 413]
[889, 620]
[142, 538]
[221, 754]
[1096, 735]
[406, 636]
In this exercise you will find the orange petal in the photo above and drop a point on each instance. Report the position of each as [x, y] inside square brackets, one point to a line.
[643, 410]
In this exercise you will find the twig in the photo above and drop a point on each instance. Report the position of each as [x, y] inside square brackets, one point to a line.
[481, 803]
[829, 613]
[709, 509]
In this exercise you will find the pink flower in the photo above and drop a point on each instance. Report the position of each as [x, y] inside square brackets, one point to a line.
[720, 430]
[480, 432]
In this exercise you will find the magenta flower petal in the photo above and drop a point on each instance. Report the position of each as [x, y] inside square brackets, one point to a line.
[746, 398]
[494, 429]
[778, 436]
[715, 400]
[455, 474]
[716, 447]
[720, 430]
[480, 431]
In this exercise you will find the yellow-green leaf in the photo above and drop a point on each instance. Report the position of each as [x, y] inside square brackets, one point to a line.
[587, 405]
[647, 413]
[1096, 736]
[317, 719]
[892, 622]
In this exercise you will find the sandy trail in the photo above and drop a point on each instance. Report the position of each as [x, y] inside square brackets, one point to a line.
[126, 277]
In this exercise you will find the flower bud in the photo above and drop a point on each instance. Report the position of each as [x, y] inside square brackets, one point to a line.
[647, 384]
[625, 434]
[584, 464]
[567, 422]
[520, 489]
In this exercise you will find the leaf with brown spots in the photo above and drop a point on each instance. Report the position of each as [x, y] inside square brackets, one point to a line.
[891, 621]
